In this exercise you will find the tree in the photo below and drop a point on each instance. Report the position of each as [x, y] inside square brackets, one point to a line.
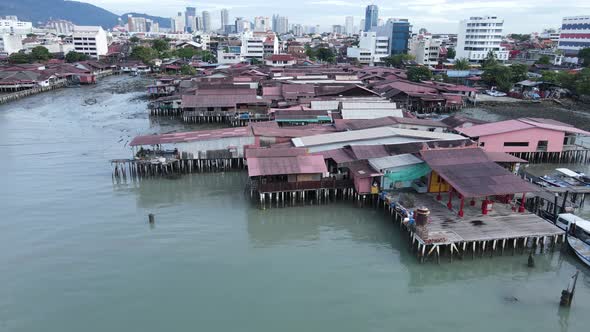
[519, 72]
[461, 64]
[584, 55]
[145, 54]
[498, 76]
[419, 73]
[582, 85]
[74, 56]
[185, 53]
[134, 40]
[451, 53]
[309, 52]
[187, 70]
[19, 58]
[40, 53]
[255, 61]
[160, 45]
[206, 56]
[490, 60]
[520, 37]
[397, 60]
[544, 60]
[325, 54]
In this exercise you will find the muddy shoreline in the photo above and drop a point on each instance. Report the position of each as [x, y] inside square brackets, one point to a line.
[569, 111]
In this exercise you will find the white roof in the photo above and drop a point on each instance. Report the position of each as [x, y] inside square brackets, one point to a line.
[580, 222]
[371, 113]
[384, 163]
[372, 134]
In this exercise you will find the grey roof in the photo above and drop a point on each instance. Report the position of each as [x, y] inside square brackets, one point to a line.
[384, 163]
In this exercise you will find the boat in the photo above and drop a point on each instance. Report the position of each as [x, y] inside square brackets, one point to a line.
[577, 234]
[573, 177]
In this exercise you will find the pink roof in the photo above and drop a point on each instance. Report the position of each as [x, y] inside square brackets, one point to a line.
[338, 155]
[273, 153]
[281, 57]
[501, 127]
[310, 164]
[191, 136]
[297, 131]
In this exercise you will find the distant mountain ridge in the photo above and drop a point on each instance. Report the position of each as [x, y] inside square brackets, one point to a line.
[80, 13]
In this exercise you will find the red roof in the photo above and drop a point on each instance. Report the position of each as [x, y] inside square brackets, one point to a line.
[272, 153]
[501, 127]
[310, 164]
[192, 101]
[201, 135]
[281, 57]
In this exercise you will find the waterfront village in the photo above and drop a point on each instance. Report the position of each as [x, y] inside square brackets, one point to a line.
[367, 115]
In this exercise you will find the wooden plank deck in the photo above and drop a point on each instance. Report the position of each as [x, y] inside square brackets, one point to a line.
[500, 224]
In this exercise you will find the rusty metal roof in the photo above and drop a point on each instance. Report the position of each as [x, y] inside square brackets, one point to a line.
[191, 136]
[310, 164]
[473, 174]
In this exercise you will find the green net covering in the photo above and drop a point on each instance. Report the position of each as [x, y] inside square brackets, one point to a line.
[409, 173]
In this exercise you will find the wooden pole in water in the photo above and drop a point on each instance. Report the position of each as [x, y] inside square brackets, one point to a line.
[151, 218]
[568, 295]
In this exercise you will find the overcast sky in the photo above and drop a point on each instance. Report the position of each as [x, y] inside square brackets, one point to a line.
[439, 16]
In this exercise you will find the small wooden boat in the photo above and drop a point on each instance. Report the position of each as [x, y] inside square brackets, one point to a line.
[578, 235]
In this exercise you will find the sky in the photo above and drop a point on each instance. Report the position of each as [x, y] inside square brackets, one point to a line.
[437, 16]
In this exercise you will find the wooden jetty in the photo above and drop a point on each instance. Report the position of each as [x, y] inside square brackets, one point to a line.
[473, 235]
[124, 169]
[5, 98]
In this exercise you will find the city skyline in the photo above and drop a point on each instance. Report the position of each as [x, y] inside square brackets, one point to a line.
[439, 16]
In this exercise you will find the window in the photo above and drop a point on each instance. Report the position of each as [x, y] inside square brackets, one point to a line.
[482, 144]
[516, 143]
[542, 146]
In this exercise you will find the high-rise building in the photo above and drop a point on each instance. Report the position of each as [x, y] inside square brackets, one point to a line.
[275, 22]
[136, 24]
[189, 14]
[349, 25]
[262, 23]
[241, 24]
[574, 36]
[371, 48]
[224, 18]
[371, 17]
[282, 25]
[198, 23]
[298, 30]
[399, 32]
[478, 36]
[206, 21]
[178, 23]
[337, 29]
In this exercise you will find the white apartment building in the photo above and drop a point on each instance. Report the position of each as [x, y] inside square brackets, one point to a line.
[575, 35]
[425, 49]
[11, 24]
[262, 23]
[61, 27]
[90, 40]
[371, 48]
[228, 58]
[10, 43]
[206, 21]
[256, 44]
[349, 25]
[478, 36]
[178, 23]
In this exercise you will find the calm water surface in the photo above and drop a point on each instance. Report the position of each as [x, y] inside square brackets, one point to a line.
[76, 253]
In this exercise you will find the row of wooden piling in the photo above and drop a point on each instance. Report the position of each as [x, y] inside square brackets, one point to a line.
[165, 111]
[577, 156]
[137, 169]
[28, 92]
[307, 197]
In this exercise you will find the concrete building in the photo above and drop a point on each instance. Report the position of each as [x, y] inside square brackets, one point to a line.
[425, 49]
[10, 43]
[189, 16]
[228, 58]
[297, 30]
[371, 17]
[136, 24]
[282, 23]
[224, 19]
[575, 35]
[262, 23]
[371, 49]
[90, 40]
[349, 25]
[241, 25]
[178, 23]
[338, 29]
[256, 44]
[399, 32]
[206, 21]
[11, 24]
[478, 36]
[61, 27]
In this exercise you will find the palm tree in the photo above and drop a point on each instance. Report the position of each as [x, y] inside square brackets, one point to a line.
[462, 64]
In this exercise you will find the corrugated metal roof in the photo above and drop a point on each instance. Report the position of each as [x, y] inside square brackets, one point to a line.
[310, 164]
[384, 163]
[271, 153]
[501, 127]
[201, 135]
[191, 101]
[370, 113]
[370, 134]
[473, 174]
